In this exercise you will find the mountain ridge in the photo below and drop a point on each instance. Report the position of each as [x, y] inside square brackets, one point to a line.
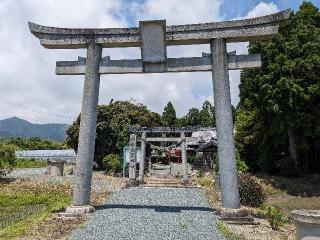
[17, 127]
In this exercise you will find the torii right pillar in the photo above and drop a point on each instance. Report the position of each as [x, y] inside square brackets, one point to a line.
[224, 125]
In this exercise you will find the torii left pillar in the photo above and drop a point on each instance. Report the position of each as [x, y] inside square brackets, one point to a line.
[143, 156]
[184, 158]
[87, 134]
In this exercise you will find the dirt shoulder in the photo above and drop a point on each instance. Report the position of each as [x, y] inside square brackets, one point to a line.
[46, 224]
[282, 193]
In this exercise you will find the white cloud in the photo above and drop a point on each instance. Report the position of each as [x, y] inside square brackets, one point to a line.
[27, 69]
[263, 9]
[180, 12]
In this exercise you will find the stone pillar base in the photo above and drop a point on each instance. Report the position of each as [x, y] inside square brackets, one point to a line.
[132, 183]
[235, 216]
[76, 211]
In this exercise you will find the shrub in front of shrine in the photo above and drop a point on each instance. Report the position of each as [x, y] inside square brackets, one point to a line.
[112, 163]
[7, 158]
[251, 192]
[275, 216]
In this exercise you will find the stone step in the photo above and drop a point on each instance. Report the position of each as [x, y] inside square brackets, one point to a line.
[245, 220]
[168, 180]
[168, 186]
[162, 176]
[161, 167]
[163, 183]
[242, 223]
[241, 219]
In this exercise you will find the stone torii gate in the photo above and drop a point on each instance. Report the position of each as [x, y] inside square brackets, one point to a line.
[182, 141]
[153, 37]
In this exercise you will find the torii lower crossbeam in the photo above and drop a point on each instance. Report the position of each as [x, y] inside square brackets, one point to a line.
[194, 64]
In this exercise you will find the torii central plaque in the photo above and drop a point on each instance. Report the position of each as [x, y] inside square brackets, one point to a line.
[153, 37]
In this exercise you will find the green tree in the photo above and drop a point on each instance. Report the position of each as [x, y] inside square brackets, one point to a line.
[278, 114]
[112, 126]
[7, 158]
[36, 143]
[169, 117]
[193, 117]
[207, 115]
[182, 122]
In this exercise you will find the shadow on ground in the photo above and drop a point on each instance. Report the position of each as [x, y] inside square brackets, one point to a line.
[157, 208]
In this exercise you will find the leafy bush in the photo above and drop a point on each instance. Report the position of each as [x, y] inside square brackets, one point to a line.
[251, 192]
[7, 158]
[242, 167]
[112, 163]
[275, 216]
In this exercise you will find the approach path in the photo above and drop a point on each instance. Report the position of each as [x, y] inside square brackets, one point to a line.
[152, 213]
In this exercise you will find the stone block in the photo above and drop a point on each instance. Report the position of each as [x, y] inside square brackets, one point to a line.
[76, 211]
[55, 168]
[307, 224]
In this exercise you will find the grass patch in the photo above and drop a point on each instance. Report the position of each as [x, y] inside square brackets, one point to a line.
[292, 203]
[30, 163]
[223, 228]
[210, 191]
[17, 198]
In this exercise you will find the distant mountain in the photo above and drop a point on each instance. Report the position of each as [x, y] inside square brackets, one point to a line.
[16, 127]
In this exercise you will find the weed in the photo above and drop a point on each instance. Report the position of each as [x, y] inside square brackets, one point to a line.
[223, 228]
[184, 226]
[205, 182]
[275, 216]
[200, 173]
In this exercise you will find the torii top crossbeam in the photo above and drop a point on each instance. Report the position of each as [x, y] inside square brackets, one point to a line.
[153, 37]
[259, 28]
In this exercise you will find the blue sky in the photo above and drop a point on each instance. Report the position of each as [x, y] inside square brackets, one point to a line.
[238, 8]
[29, 86]
[231, 8]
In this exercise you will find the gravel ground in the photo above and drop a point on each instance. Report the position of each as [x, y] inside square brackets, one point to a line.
[152, 213]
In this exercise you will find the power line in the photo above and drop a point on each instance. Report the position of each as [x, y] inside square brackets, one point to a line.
[33, 109]
[4, 115]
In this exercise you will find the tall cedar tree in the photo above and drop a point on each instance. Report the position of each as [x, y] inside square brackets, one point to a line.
[278, 127]
[169, 116]
[207, 115]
